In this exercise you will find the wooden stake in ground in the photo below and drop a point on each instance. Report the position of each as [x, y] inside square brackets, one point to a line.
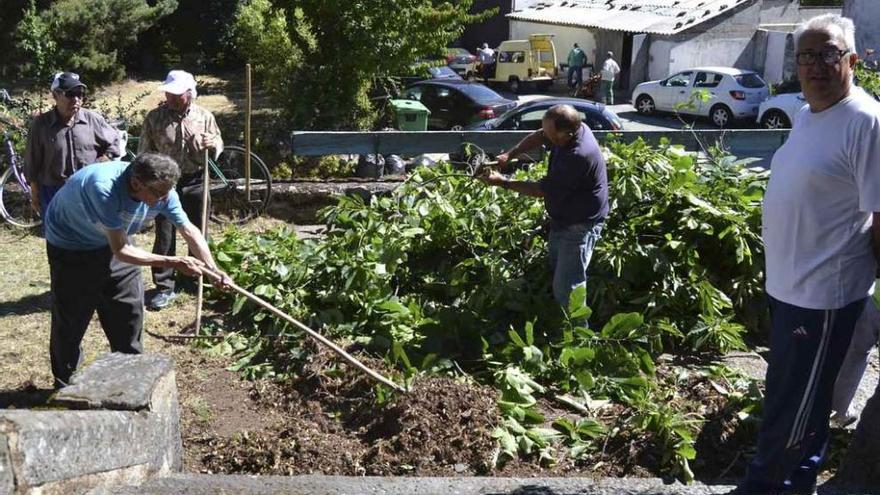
[247, 136]
[201, 291]
[320, 338]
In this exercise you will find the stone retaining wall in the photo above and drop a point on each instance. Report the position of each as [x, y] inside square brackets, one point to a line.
[299, 201]
[118, 423]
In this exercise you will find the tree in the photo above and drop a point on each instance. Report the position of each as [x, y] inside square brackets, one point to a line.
[320, 58]
[87, 36]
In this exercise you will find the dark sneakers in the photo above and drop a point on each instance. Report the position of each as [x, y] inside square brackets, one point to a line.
[160, 300]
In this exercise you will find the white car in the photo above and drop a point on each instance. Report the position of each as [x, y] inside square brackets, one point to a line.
[733, 94]
[777, 112]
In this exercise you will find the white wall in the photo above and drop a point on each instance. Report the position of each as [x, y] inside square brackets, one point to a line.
[564, 38]
[786, 14]
[866, 14]
[774, 63]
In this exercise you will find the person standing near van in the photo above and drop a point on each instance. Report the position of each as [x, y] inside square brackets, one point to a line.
[610, 69]
[486, 57]
[577, 59]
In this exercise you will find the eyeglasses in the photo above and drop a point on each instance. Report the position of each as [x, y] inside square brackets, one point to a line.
[75, 93]
[158, 193]
[828, 57]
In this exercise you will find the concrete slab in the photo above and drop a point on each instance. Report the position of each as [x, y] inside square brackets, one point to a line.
[115, 381]
[341, 485]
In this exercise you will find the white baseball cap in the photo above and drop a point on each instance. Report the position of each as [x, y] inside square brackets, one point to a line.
[178, 82]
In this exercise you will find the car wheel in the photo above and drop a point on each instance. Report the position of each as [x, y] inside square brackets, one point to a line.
[513, 84]
[721, 116]
[775, 119]
[645, 105]
[457, 127]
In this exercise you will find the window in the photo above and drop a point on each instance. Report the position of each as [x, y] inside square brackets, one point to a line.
[707, 80]
[511, 57]
[679, 80]
[593, 122]
[413, 93]
[750, 80]
[531, 120]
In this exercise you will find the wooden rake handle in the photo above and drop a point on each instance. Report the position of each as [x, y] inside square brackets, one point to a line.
[320, 338]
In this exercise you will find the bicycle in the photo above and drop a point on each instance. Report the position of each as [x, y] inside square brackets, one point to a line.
[228, 188]
[15, 192]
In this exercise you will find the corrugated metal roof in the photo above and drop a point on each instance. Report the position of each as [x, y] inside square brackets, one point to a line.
[635, 16]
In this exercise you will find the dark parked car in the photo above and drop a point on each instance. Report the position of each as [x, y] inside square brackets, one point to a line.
[455, 103]
[420, 74]
[527, 116]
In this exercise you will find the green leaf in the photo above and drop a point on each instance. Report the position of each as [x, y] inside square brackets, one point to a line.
[576, 356]
[516, 338]
[577, 300]
[622, 324]
[238, 304]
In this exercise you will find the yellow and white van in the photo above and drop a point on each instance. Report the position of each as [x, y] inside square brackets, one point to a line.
[520, 63]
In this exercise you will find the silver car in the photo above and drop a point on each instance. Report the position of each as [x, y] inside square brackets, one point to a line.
[732, 94]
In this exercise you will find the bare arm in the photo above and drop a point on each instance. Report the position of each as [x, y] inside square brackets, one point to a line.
[529, 188]
[133, 255]
[196, 243]
[529, 142]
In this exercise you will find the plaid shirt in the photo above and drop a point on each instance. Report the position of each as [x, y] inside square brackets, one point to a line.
[179, 135]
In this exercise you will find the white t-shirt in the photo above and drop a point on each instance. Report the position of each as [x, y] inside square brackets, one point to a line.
[487, 55]
[824, 187]
[609, 69]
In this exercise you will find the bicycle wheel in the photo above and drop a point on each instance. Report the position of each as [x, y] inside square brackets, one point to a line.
[15, 202]
[229, 201]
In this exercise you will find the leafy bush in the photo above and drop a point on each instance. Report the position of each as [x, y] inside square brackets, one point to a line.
[867, 78]
[86, 36]
[36, 48]
[446, 274]
[319, 59]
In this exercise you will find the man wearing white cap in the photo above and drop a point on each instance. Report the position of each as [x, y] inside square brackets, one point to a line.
[182, 130]
[64, 140]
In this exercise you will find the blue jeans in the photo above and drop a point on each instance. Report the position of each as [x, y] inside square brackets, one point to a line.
[46, 195]
[578, 73]
[571, 248]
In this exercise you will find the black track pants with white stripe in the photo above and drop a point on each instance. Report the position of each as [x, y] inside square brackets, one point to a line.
[807, 348]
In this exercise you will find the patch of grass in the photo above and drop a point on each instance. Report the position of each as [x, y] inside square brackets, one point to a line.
[25, 310]
[200, 408]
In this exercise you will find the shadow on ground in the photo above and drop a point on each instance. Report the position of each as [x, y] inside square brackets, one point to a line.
[27, 305]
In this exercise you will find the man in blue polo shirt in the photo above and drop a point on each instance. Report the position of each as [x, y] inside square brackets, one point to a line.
[94, 267]
[575, 192]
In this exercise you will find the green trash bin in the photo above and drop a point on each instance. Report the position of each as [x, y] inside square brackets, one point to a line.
[410, 115]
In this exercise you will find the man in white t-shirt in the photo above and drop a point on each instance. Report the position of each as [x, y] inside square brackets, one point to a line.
[610, 69]
[486, 56]
[821, 230]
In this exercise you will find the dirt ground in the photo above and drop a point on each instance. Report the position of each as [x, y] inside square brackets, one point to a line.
[319, 423]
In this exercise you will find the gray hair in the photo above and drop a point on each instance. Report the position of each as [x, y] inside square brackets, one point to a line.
[828, 23]
[151, 168]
